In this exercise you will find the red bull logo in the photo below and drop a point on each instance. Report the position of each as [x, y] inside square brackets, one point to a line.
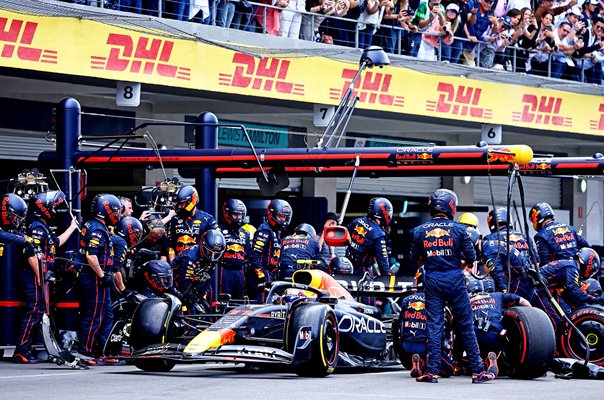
[506, 157]
[417, 305]
[43, 208]
[425, 156]
[438, 233]
[360, 230]
[543, 166]
[561, 230]
[187, 240]
[235, 248]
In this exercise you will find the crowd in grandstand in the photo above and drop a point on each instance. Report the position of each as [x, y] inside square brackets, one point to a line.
[547, 38]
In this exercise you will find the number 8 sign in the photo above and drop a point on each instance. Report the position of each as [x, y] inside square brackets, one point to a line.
[128, 94]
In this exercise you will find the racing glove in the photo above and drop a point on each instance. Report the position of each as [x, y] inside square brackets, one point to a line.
[598, 300]
[30, 247]
[107, 280]
[49, 276]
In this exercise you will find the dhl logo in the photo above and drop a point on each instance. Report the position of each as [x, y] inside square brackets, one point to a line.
[561, 230]
[417, 305]
[461, 100]
[502, 155]
[360, 230]
[147, 56]
[235, 248]
[598, 125]
[542, 110]
[19, 35]
[437, 233]
[269, 75]
[373, 88]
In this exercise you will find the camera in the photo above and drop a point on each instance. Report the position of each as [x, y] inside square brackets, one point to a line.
[549, 28]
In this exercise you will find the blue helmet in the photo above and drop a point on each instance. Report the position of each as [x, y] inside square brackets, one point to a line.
[380, 207]
[186, 199]
[443, 201]
[592, 287]
[130, 229]
[13, 211]
[157, 275]
[589, 263]
[107, 208]
[43, 205]
[234, 212]
[498, 217]
[340, 265]
[212, 245]
[306, 229]
[279, 214]
[539, 212]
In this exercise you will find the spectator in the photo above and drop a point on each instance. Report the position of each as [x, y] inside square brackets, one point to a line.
[591, 54]
[268, 17]
[387, 36]
[518, 5]
[225, 10]
[175, 9]
[562, 63]
[404, 18]
[467, 16]
[545, 44]
[512, 29]
[290, 19]
[133, 6]
[493, 40]
[368, 21]
[341, 31]
[311, 22]
[419, 23]
[243, 16]
[474, 32]
[590, 8]
[199, 10]
[451, 49]
[527, 40]
[546, 5]
[431, 37]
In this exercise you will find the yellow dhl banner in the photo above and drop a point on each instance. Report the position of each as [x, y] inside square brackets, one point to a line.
[88, 48]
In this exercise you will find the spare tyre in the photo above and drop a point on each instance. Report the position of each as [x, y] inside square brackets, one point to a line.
[590, 321]
[530, 343]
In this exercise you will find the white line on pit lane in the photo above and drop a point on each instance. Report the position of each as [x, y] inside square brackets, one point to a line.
[80, 372]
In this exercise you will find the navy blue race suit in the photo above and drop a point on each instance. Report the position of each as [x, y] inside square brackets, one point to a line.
[517, 239]
[11, 238]
[264, 260]
[495, 255]
[488, 314]
[297, 247]
[95, 303]
[558, 241]
[441, 245]
[184, 233]
[193, 277]
[231, 279]
[367, 247]
[562, 276]
[32, 291]
[414, 331]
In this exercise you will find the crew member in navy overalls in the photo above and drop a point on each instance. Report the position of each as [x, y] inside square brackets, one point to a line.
[440, 245]
[41, 213]
[301, 246]
[186, 228]
[231, 276]
[565, 276]
[500, 224]
[487, 307]
[96, 278]
[194, 268]
[266, 248]
[13, 211]
[555, 240]
[368, 240]
[414, 331]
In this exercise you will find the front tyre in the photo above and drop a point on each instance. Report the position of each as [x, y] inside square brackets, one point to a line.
[320, 357]
[590, 321]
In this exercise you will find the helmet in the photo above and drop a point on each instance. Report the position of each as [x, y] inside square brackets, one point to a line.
[13, 211]
[307, 229]
[539, 212]
[488, 285]
[589, 263]
[291, 294]
[380, 207]
[469, 219]
[234, 212]
[279, 214]
[43, 204]
[212, 245]
[475, 238]
[420, 278]
[498, 218]
[340, 265]
[130, 229]
[186, 200]
[592, 287]
[473, 285]
[443, 201]
[106, 207]
[157, 275]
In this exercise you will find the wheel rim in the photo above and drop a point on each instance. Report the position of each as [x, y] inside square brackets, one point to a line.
[593, 330]
[330, 343]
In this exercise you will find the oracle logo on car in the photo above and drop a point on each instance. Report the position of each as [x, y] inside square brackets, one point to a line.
[459, 100]
[373, 88]
[148, 56]
[542, 110]
[269, 75]
[18, 35]
[353, 324]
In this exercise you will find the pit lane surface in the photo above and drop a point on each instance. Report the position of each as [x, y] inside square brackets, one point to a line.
[46, 381]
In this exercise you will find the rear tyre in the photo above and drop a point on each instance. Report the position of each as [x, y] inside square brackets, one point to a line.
[530, 343]
[150, 325]
[325, 338]
[590, 321]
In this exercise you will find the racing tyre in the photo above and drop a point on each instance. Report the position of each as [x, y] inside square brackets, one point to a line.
[590, 321]
[150, 325]
[530, 343]
[318, 323]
